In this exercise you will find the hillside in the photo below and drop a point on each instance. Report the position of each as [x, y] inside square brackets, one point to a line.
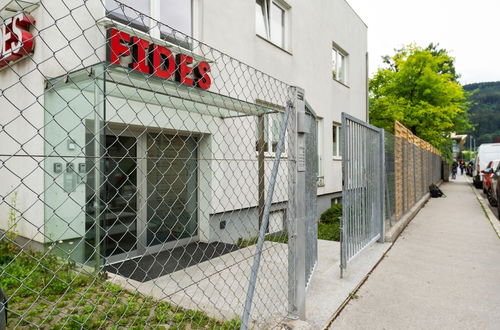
[485, 111]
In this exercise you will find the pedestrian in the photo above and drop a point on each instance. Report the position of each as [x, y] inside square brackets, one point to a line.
[462, 167]
[454, 169]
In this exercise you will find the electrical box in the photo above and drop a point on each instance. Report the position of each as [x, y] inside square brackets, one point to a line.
[82, 168]
[58, 168]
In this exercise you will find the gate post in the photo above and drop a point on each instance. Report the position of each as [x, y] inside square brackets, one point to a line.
[382, 185]
[297, 230]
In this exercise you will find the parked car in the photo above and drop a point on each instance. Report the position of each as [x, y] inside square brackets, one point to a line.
[485, 153]
[494, 191]
[487, 173]
[470, 167]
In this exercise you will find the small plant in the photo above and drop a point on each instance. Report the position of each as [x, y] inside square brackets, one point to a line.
[332, 214]
[329, 224]
[12, 224]
[278, 238]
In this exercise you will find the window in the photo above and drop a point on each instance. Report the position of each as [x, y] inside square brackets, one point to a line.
[177, 14]
[272, 128]
[336, 200]
[336, 139]
[270, 21]
[128, 16]
[339, 65]
[319, 130]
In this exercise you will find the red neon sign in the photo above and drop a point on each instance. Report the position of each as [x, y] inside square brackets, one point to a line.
[156, 60]
[15, 39]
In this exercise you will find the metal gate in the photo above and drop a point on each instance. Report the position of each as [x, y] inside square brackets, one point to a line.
[362, 187]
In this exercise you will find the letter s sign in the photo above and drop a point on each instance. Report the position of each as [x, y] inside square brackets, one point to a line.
[15, 39]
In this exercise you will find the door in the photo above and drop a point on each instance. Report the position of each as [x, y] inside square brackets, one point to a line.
[119, 195]
[171, 191]
[150, 193]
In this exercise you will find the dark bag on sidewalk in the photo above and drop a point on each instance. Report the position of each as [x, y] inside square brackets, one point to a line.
[435, 191]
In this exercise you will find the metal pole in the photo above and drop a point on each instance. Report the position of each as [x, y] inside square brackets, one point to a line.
[346, 154]
[297, 246]
[99, 104]
[260, 164]
[382, 185]
[265, 221]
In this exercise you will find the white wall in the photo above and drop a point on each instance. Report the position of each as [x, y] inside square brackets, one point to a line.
[314, 26]
[22, 102]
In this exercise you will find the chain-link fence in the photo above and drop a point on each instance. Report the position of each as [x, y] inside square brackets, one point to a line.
[148, 179]
[409, 170]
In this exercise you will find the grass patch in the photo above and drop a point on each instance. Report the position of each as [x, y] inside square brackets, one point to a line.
[44, 292]
[281, 238]
[329, 231]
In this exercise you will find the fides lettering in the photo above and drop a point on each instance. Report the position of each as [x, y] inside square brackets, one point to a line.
[156, 60]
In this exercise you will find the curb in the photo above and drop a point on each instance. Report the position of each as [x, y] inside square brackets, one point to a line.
[489, 215]
[394, 232]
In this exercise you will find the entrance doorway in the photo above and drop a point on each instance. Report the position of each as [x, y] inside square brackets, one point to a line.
[149, 193]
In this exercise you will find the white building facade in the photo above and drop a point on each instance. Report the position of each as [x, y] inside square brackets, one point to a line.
[88, 88]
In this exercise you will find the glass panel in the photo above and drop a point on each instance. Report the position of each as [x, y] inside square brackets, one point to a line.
[277, 25]
[319, 143]
[120, 195]
[341, 69]
[275, 130]
[339, 132]
[71, 143]
[129, 16]
[334, 64]
[334, 140]
[177, 14]
[171, 188]
[260, 19]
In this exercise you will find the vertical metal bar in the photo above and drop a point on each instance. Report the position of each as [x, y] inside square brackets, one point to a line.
[261, 165]
[345, 192]
[265, 221]
[415, 199]
[359, 188]
[403, 174]
[382, 185]
[99, 105]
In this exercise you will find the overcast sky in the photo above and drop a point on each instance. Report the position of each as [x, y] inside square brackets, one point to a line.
[470, 30]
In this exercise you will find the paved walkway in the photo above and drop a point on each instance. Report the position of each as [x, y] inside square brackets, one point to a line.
[442, 273]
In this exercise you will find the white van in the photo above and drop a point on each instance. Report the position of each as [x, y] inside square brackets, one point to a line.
[485, 153]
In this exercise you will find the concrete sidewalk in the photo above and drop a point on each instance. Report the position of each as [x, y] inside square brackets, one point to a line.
[442, 273]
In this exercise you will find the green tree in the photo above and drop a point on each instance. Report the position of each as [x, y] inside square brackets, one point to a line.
[485, 111]
[419, 88]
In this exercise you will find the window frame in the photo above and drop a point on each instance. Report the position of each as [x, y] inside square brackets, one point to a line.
[319, 132]
[154, 29]
[341, 54]
[267, 22]
[335, 200]
[337, 130]
[133, 24]
[269, 124]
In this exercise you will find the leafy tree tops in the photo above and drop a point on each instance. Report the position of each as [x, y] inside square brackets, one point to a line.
[419, 88]
[485, 111]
